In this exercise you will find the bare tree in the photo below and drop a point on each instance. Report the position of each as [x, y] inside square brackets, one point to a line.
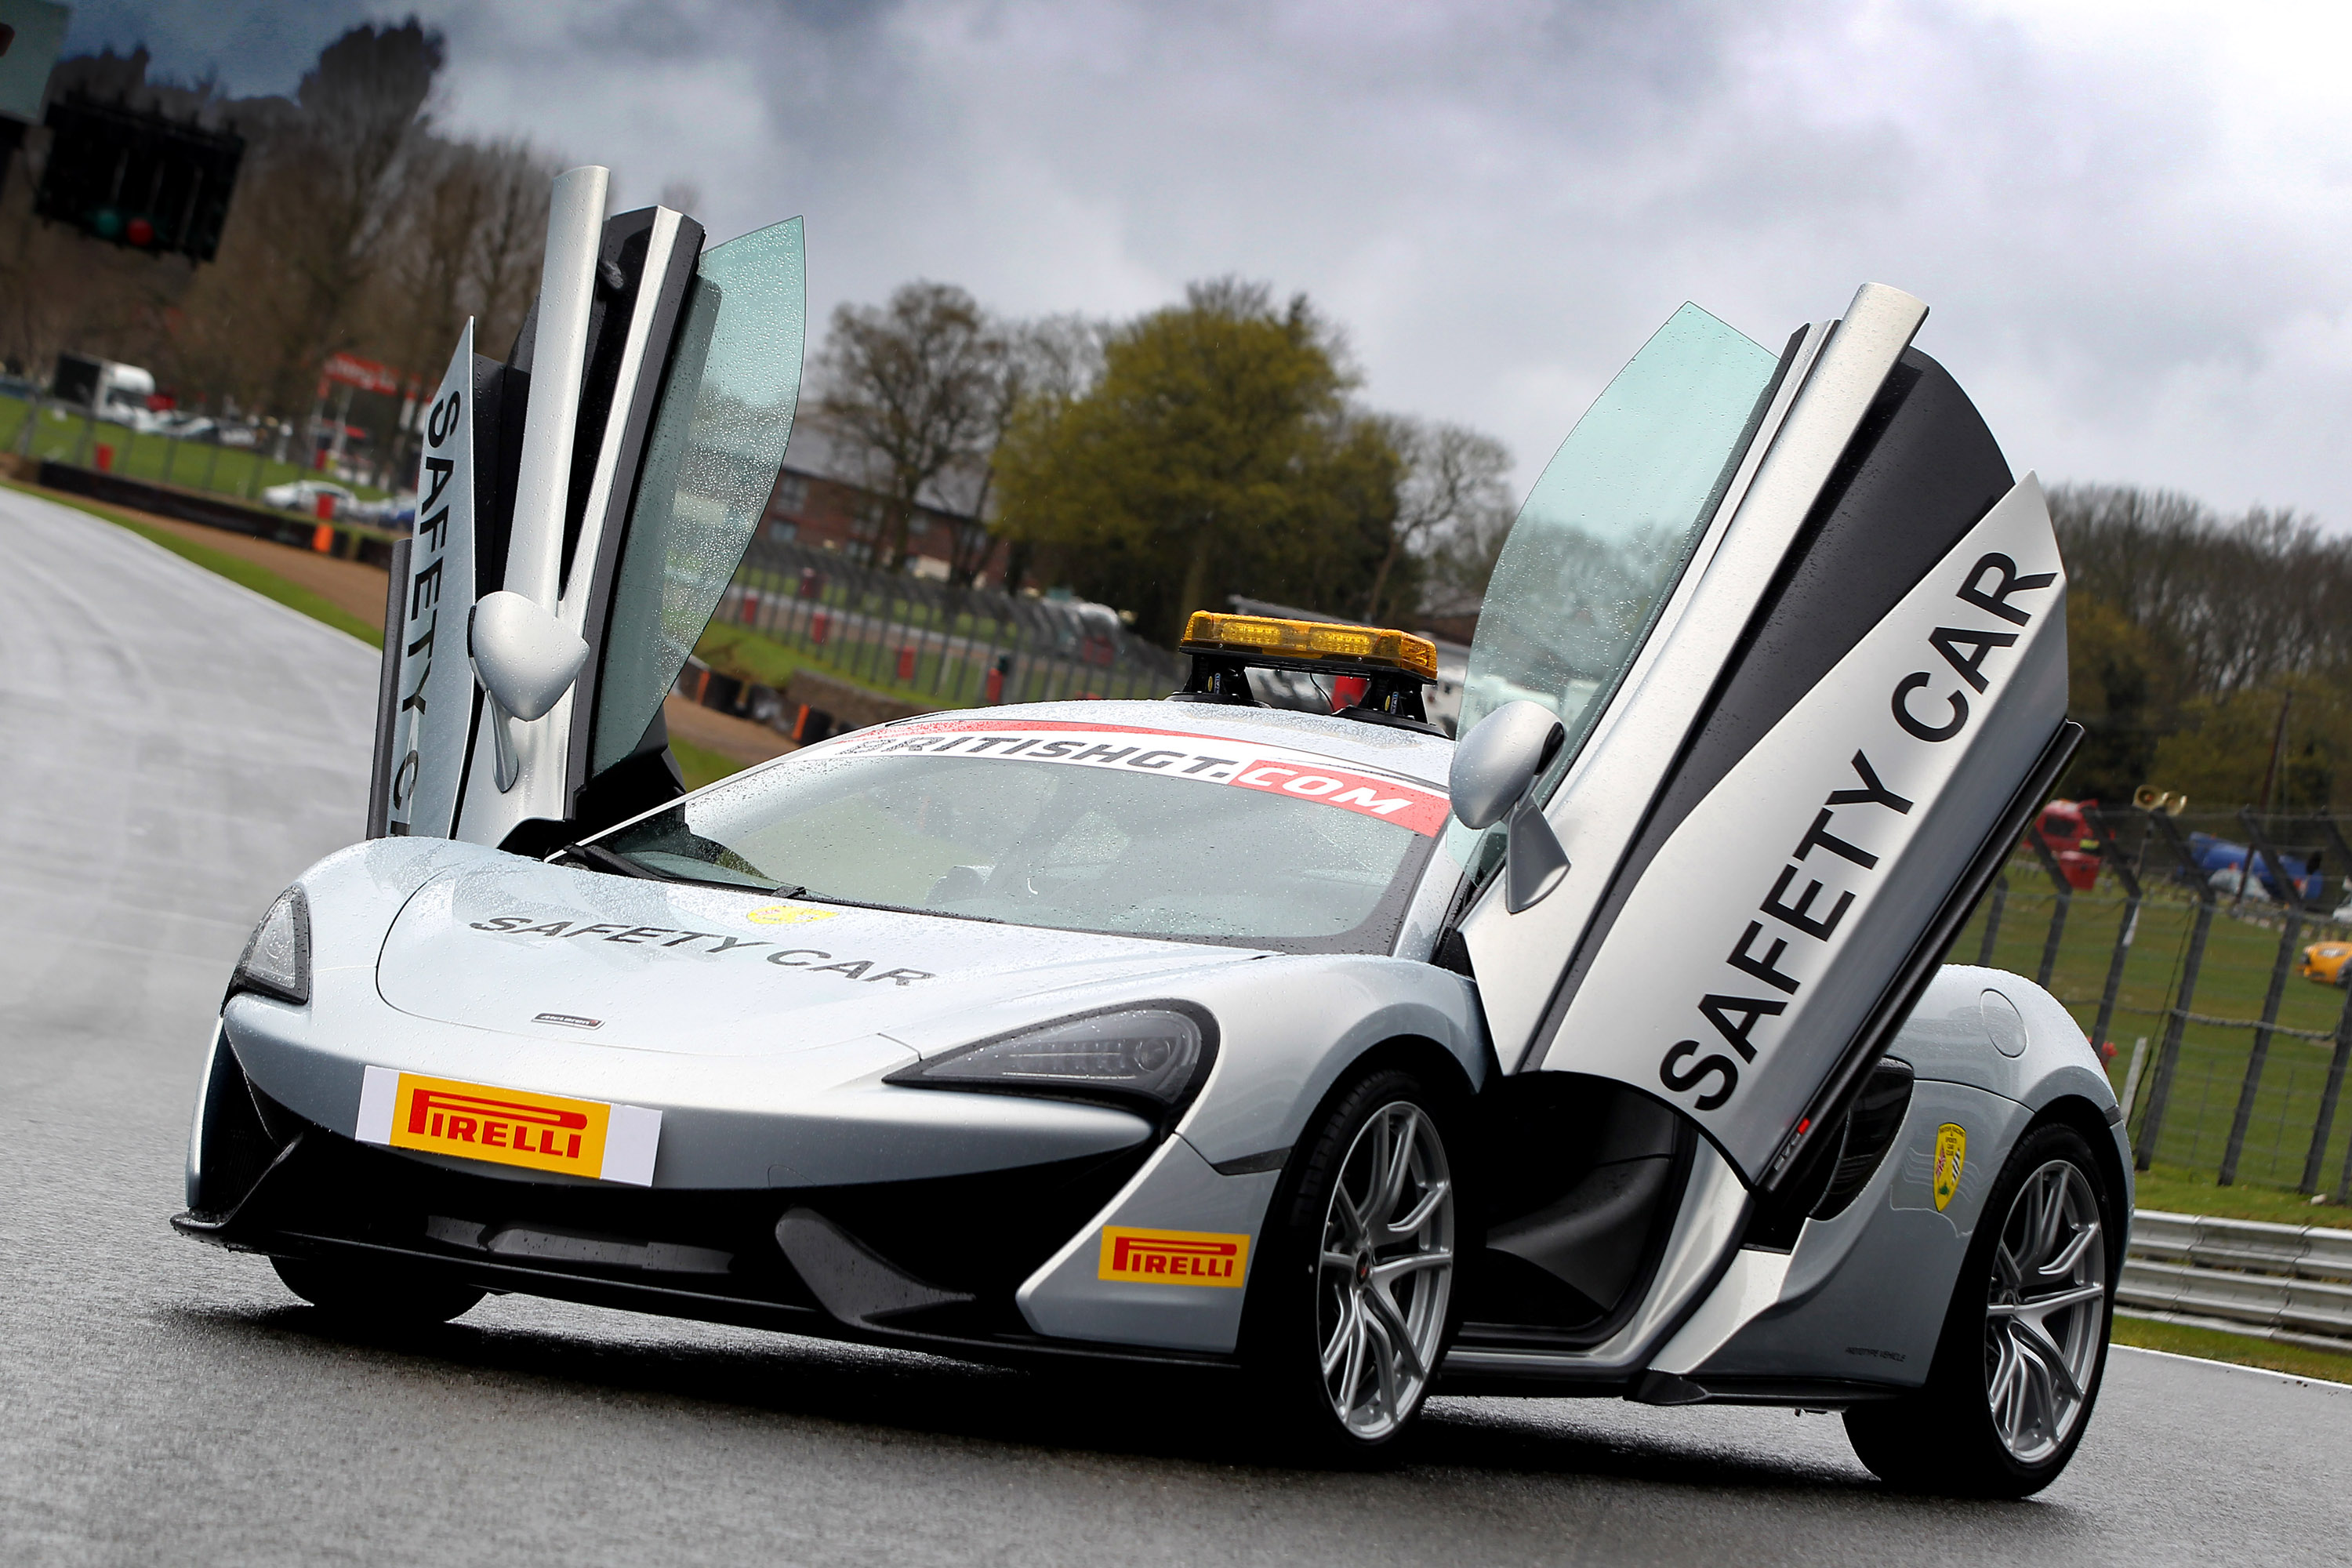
[914, 391]
[1452, 493]
[2240, 602]
[340, 175]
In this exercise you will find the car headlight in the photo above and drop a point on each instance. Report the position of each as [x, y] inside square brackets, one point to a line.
[1154, 1056]
[277, 961]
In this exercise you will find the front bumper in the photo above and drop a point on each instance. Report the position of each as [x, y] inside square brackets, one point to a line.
[938, 1263]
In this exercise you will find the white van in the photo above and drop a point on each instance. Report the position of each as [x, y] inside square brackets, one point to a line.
[108, 388]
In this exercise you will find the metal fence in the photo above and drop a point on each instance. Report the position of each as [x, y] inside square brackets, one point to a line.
[2237, 1062]
[49, 431]
[931, 643]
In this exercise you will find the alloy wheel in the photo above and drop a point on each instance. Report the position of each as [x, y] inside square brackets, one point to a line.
[2045, 1312]
[1386, 1270]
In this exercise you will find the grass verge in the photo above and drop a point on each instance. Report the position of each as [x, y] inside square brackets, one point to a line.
[2242, 1350]
[700, 765]
[260, 579]
[2182, 1191]
[748, 656]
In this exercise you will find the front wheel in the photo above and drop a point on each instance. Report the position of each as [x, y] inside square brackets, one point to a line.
[382, 1298]
[2025, 1339]
[1349, 1318]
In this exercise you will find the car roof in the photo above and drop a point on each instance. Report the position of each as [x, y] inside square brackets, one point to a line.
[1356, 742]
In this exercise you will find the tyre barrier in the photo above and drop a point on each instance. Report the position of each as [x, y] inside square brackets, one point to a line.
[2287, 1280]
[371, 546]
[810, 708]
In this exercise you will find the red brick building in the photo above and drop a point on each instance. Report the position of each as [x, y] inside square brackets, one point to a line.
[813, 509]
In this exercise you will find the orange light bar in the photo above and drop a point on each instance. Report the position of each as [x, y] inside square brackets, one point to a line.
[1311, 642]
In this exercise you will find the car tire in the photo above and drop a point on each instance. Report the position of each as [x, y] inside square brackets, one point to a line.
[2024, 1345]
[1352, 1302]
[381, 1297]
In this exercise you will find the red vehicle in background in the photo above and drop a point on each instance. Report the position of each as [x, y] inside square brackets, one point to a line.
[2069, 838]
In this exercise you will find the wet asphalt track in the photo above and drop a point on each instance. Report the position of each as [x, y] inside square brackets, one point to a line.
[172, 750]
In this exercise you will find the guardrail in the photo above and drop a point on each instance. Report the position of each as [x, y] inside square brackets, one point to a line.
[2289, 1280]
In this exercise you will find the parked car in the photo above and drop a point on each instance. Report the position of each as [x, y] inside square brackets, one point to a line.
[2329, 962]
[302, 496]
[390, 512]
[2216, 857]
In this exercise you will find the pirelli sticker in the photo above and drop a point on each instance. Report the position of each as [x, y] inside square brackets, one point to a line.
[1172, 753]
[1173, 1257]
[509, 1126]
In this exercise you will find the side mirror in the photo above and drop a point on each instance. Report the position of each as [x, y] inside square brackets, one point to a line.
[1494, 766]
[526, 660]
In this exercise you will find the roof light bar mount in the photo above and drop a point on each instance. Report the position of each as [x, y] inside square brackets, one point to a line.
[1394, 665]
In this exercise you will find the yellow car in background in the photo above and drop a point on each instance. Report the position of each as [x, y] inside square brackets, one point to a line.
[2329, 962]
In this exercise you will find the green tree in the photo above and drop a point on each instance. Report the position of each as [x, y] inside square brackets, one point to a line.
[2221, 755]
[1215, 453]
[2125, 682]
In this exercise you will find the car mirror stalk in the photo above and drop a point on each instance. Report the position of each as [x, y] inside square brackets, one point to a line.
[525, 660]
[1495, 770]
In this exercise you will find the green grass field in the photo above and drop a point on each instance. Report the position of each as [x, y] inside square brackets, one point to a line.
[2245, 1350]
[748, 656]
[71, 437]
[701, 766]
[2177, 1190]
[2231, 982]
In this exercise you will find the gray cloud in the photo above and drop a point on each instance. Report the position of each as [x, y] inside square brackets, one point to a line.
[2134, 238]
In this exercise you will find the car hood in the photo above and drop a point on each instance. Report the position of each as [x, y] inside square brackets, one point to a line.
[532, 949]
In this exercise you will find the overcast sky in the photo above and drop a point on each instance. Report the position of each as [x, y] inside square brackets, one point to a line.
[2132, 218]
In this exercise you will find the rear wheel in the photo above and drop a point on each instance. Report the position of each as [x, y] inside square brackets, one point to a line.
[384, 1297]
[2025, 1343]
[1351, 1315]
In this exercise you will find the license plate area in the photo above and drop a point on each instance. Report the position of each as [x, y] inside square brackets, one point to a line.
[502, 1126]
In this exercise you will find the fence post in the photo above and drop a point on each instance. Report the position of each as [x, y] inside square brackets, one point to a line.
[1992, 919]
[2058, 910]
[2167, 1057]
[2325, 1123]
[2289, 929]
[2111, 852]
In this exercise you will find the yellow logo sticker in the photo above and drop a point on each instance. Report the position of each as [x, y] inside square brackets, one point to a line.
[1173, 1257]
[789, 915]
[1951, 1152]
[541, 1131]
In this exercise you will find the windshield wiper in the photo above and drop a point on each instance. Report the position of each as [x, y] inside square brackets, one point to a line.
[597, 858]
[890, 909]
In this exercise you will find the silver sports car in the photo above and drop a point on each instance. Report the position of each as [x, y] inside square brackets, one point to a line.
[1607, 1050]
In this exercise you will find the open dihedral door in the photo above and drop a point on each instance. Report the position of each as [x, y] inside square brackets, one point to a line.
[1808, 639]
[612, 474]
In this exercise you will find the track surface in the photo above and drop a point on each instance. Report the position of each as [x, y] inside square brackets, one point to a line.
[172, 750]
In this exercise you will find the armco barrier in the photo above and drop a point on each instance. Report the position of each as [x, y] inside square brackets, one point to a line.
[2280, 1277]
[216, 512]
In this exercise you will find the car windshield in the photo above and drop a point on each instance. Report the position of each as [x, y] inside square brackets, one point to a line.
[1147, 835]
